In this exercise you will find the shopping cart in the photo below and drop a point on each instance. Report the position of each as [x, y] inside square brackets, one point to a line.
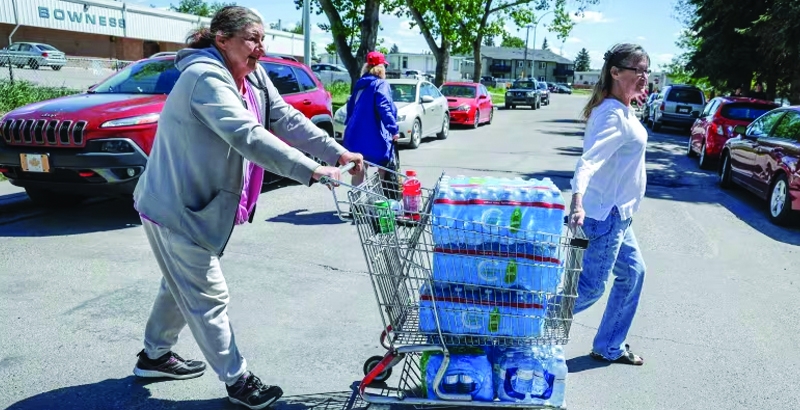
[399, 250]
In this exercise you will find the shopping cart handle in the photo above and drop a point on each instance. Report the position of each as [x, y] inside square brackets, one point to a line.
[325, 180]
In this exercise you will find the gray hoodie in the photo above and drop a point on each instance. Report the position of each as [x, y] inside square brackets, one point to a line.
[194, 177]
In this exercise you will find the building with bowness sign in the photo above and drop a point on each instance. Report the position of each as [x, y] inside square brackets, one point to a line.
[112, 29]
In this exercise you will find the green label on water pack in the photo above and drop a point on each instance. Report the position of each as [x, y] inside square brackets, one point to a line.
[516, 220]
[494, 321]
[511, 272]
[477, 180]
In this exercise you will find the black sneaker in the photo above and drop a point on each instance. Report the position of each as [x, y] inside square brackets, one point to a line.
[169, 365]
[251, 393]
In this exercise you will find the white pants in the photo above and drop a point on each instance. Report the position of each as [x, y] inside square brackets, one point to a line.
[193, 291]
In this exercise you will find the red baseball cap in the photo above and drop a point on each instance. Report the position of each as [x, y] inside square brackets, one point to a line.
[375, 58]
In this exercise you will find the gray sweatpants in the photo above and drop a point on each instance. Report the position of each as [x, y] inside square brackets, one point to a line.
[193, 291]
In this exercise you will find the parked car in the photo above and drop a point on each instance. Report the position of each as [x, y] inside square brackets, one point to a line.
[422, 111]
[562, 89]
[646, 106]
[763, 158]
[523, 92]
[488, 81]
[33, 55]
[331, 74]
[716, 124]
[544, 93]
[96, 143]
[680, 106]
[469, 103]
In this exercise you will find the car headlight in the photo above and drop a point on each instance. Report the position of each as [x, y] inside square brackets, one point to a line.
[401, 118]
[340, 116]
[531, 93]
[463, 107]
[127, 122]
[508, 93]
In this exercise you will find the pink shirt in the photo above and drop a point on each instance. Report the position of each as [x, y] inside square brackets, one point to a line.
[254, 174]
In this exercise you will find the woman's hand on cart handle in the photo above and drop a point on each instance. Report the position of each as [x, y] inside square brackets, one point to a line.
[331, 175]
[352, 158]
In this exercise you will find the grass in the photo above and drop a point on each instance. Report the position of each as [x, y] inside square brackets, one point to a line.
[584, 91]
[19, 93]
[339, 93]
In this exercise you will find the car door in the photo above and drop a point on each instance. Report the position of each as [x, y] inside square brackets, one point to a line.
[770, 150]
[441, 107]
[429, 114]
[743, 150]
[700, 126]
[485, 103]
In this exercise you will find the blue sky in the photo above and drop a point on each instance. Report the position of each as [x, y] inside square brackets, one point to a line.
[649, 23]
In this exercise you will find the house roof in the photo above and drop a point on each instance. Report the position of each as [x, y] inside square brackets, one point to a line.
[508, 53]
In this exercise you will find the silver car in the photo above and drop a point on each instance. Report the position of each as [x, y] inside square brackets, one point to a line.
[422, 111]
[33, 55]
[678, 105]
[331, 74]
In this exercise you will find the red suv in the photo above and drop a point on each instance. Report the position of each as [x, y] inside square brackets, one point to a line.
[96, 143]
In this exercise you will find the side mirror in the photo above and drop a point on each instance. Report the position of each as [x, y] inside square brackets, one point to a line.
[426, 99]
[739, 129]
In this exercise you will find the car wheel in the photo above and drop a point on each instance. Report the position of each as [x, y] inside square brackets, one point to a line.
[416, 130]
[491, 116]
[725, 172]
[689, 151]
[57, 67]
[477, 121]
[780, 208]
[704, 160]
[445, 132]
[656, 126]
[33, 64]
[50, 199]
[513, 107]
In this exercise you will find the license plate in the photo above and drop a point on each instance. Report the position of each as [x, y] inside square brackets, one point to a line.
[35, 162]
[684, 110]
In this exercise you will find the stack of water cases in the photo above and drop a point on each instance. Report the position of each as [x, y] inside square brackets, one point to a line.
[495, 266]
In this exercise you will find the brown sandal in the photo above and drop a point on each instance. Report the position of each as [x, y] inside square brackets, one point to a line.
[627, 358]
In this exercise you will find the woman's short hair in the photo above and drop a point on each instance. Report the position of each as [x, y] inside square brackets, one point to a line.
[376, 70]
[624, 54]
[228, 21]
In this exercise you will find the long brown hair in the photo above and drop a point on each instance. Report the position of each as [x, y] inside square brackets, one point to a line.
[227, 21]
[624, 54]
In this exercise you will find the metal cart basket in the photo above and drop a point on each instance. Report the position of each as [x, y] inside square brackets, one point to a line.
[419, 293]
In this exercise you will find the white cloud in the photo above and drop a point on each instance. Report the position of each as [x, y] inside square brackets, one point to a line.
[574, 40]
[641, 38]
[406, 30]
[596, 59]
[663, 58]
[590, 17]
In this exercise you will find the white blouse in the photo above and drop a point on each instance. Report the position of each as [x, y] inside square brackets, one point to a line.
[611, 172]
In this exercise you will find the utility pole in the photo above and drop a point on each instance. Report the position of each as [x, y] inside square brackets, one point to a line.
[306, 32]
[535, 29]
[525, 54]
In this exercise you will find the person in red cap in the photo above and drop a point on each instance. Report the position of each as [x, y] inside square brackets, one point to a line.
[371, 122]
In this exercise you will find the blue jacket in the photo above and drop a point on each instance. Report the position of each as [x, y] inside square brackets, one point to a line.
[372, 121]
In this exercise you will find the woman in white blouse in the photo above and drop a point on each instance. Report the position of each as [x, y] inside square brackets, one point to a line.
[607, 189]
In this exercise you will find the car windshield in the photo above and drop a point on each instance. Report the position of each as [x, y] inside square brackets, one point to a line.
[542, 86]
[685, 96]
[744, 111]
[145, 77]
[459, 91]
[525, 85]
[404, 93]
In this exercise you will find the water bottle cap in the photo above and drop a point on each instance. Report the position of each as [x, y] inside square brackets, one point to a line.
[411, 173]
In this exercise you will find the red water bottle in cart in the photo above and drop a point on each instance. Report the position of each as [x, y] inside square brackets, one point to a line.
[412, 195]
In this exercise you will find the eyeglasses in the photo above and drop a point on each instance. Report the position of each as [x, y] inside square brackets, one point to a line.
[639, 72]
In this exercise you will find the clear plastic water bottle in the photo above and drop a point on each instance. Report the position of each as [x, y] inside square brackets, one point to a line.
[491, 215]
[557, 366]
[450, 384]
[441, 211]
[523, 381]
[465, 384]
[471, 215]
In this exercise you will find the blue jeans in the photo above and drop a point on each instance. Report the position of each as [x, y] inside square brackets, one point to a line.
[612, 248]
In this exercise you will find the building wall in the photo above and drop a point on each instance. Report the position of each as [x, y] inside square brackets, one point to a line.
[92, 27]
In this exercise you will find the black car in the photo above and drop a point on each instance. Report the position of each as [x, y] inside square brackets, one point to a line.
[524, 92]
[545, 93]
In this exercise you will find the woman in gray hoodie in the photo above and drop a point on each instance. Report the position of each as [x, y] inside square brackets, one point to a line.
[203, 177]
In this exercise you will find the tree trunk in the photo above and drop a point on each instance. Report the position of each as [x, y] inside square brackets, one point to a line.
[442, 55]
[476, 55]
[369, 36]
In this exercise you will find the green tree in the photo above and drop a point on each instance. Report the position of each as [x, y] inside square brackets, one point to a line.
[199, 7]
[512, 42]
[582, 61]
[394, 49]
[545, 46]
[354, 26]
[488, 41]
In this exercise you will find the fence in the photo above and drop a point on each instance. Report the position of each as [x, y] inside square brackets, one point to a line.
[79, 73]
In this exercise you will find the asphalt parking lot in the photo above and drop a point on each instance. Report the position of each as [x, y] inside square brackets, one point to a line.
[717, 323]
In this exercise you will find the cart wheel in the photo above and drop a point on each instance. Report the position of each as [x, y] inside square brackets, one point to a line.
[371, 363]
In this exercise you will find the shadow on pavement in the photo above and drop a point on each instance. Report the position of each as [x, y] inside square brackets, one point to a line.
[131, 393]
[673, 176]
[583, 363]
[570, 151]
[303, 217]
[27, 220]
